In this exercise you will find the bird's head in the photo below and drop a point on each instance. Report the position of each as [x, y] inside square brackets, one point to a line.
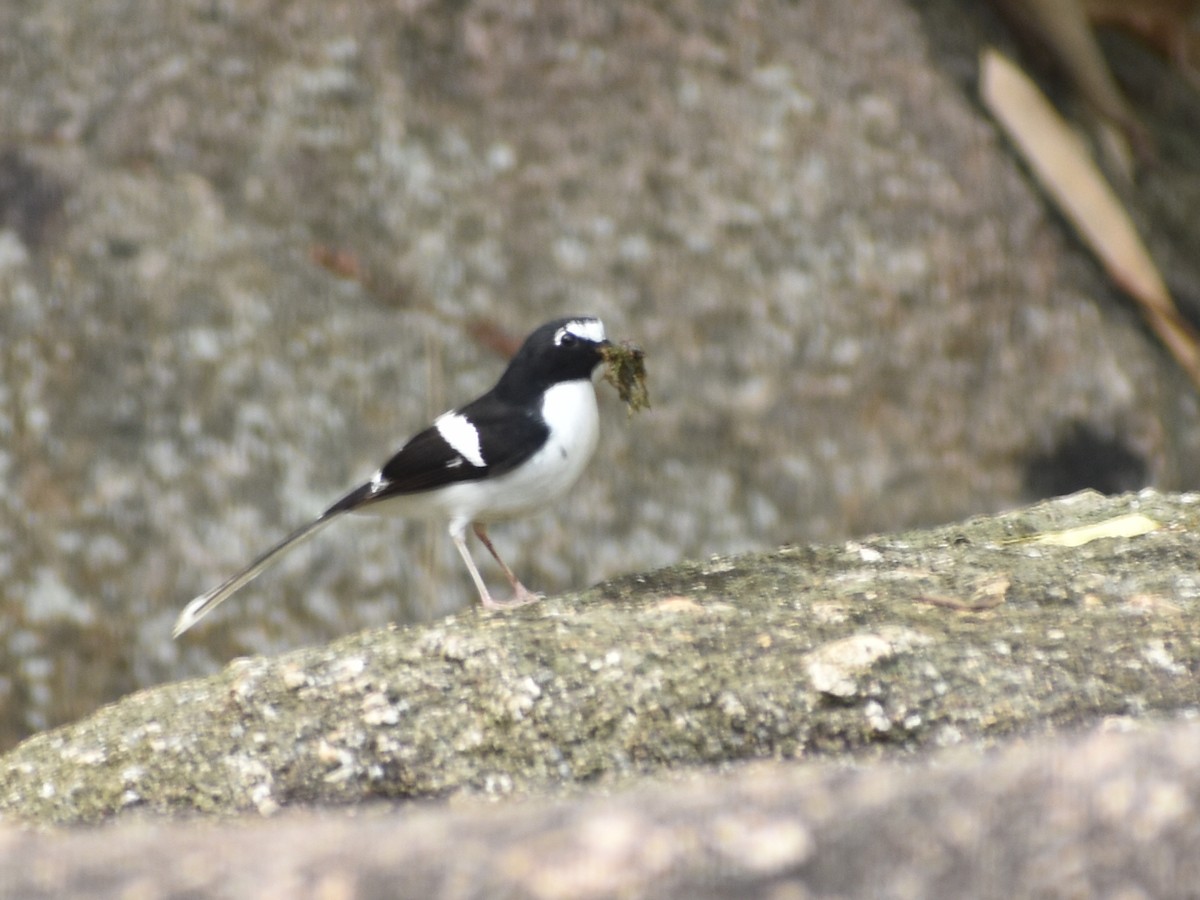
[562, 350]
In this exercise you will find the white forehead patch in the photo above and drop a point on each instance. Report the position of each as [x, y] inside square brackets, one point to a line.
[585, 329]
[457, 431]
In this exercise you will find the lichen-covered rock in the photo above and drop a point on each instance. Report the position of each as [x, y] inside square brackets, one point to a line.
[802, 653]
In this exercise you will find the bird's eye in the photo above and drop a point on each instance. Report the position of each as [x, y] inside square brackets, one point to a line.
[567, 339]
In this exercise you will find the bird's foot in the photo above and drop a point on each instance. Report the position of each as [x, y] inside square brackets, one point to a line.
[522, 596]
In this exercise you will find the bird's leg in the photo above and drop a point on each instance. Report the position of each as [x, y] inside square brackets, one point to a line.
[456, 534]
[521, 594]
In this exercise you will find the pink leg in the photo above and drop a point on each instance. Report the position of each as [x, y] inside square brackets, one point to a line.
[521, 594]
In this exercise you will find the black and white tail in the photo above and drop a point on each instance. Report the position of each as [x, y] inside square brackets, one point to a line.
[206, 603]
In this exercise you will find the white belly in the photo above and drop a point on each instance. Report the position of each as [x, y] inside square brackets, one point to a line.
[569, 410]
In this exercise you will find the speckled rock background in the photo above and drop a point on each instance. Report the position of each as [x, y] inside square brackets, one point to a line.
[245, 249]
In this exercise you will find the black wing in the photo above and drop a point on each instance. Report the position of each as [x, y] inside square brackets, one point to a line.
[508, 436]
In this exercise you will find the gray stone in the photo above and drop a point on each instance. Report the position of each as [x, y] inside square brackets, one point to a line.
[875, 648]
[1111, 813]
[672, 735]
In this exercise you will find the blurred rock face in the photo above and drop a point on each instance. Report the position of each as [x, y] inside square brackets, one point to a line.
[239, 252]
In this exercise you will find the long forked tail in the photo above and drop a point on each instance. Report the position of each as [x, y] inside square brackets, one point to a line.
[206, 603]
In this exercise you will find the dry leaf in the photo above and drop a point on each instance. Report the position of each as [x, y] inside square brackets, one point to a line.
[1068, 174]
[338, 260]
[988, 593]
[1127, 526]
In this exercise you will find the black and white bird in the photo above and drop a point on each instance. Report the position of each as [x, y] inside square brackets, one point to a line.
[518, 447]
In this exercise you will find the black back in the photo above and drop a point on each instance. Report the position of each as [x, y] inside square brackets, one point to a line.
[508, 420]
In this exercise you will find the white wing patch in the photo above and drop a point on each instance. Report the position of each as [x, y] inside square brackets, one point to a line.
[457, 431]
[586, 329]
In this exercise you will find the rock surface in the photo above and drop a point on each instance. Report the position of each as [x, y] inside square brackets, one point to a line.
[607, 713]
[968, 633]
[1111, 814]
[244, 249]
